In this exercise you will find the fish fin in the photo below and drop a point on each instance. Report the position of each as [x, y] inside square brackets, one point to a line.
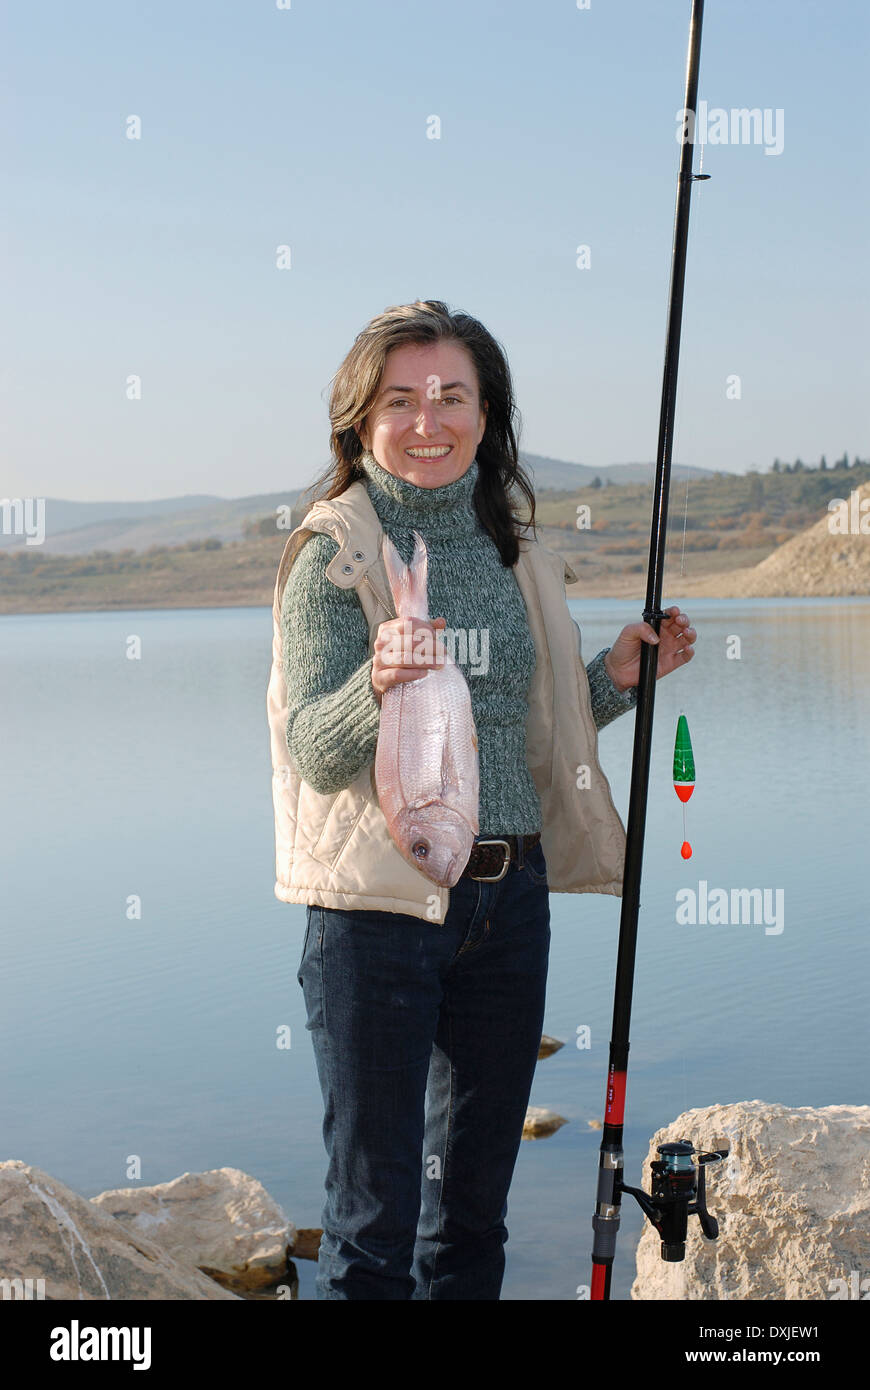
[420, 577]
[408, 583]
[448, 770]
[454, 776]
[395, 568]
[388, 771]
[460, 782]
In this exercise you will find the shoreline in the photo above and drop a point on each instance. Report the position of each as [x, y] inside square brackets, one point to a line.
[630, 591]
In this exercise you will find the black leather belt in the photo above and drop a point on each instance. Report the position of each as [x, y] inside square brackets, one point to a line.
[489, 859]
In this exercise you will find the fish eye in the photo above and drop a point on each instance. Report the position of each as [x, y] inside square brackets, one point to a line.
[420, 849]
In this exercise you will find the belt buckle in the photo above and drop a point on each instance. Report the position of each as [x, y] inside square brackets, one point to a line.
[494, 878]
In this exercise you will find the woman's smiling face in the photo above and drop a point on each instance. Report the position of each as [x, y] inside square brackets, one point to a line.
[426, 421]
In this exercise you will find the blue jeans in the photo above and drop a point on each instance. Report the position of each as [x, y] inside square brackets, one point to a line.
[425, 1037]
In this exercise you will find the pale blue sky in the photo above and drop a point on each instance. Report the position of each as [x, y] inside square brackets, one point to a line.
[307, 126]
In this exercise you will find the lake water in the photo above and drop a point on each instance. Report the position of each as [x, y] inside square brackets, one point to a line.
[156, 1037]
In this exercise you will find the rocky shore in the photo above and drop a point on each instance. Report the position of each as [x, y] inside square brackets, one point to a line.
[208, 1235]
[792, 1200]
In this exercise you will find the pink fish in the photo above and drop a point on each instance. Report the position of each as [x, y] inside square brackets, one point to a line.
[426, 766]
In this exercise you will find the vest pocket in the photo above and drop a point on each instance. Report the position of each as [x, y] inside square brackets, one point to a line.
[344, 814]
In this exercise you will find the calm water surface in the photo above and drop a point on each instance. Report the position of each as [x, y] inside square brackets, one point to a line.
[156, 1036]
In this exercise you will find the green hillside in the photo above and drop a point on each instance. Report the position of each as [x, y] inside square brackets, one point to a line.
[731, 521]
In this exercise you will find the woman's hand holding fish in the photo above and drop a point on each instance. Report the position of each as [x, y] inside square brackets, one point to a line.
[404, 650]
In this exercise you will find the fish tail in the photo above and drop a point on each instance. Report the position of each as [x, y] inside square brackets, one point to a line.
[408, 583]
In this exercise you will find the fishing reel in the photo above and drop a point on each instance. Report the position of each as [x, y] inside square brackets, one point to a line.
[678, 1192]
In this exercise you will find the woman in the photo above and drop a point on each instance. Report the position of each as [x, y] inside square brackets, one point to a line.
[426, 1005]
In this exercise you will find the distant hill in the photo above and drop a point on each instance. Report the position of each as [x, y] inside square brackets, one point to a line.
[78, 528]
[560, 476]
[105, 521]
[816, 563]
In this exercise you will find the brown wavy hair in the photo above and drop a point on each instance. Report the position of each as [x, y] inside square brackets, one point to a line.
[355, 387]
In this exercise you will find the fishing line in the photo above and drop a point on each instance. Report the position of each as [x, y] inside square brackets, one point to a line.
[684, 767]
[679, 434]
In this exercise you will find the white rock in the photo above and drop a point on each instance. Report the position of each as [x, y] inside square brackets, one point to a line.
[792, 1200]
[223, 1222]
[50, 1233]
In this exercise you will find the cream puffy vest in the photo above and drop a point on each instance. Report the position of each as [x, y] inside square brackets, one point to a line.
[335, 850]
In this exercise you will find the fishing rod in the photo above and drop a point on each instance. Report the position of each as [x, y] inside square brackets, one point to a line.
[678, 1176]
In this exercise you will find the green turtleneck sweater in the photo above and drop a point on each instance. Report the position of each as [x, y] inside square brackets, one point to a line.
[333, 711]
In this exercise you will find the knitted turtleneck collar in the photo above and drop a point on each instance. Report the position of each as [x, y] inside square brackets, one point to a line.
[399, 503]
